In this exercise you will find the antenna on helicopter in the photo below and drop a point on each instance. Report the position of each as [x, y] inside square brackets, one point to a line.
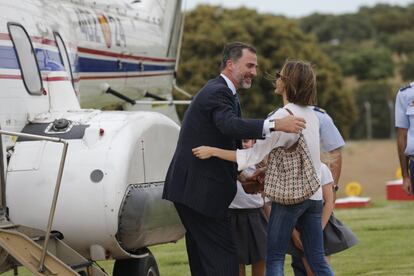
[106, 88]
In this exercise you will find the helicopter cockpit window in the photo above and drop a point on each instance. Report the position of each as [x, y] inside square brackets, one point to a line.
[64, 55]
[27, 59]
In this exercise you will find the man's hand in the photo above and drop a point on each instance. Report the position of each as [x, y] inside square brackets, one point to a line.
[404, 161]
[407, 185]
[290, 124]
[335, 189]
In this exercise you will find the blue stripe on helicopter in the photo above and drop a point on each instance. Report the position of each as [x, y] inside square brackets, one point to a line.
[47, 60]
[91, 65]
[50, 61]
[8, 58]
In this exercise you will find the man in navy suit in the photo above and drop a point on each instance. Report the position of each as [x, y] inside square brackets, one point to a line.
[203, 189]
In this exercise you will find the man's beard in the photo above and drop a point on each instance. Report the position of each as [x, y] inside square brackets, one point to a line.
[244, 84]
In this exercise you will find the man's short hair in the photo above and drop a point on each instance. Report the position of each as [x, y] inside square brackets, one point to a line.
[233, 51]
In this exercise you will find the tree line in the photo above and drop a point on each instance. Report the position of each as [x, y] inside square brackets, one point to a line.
[359, 58]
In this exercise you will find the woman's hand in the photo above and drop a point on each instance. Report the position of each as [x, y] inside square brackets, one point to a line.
[203, 152]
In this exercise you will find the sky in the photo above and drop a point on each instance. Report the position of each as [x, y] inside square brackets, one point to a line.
[297, 8]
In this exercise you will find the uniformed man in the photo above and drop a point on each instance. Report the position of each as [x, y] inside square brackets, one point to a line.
[404, 122]
[331, 142]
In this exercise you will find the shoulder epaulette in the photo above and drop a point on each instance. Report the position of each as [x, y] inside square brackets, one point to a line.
[406, 87]
[273, 112]
[317, 108]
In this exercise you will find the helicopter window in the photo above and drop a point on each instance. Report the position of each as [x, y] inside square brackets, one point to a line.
[64, 55]
[27, 59]
[49, 61]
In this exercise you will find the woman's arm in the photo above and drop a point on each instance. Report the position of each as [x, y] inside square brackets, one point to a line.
[205, 152]
[251, 156]
[328, 198]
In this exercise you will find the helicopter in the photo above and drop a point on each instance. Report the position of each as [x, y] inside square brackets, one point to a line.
[62, 65]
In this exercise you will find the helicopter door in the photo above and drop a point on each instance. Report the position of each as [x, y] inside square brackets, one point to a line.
[64, 56]
[60, 81]
[26, 58]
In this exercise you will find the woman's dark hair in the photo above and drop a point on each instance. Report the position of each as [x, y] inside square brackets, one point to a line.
[300, 82]
[234, 51]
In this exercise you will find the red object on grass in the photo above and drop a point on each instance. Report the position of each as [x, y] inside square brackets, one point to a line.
[352, 202]
[396, 192]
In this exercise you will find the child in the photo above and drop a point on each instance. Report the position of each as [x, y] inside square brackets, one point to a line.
[249, 225]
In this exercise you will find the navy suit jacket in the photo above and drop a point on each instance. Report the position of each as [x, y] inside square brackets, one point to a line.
[212, 119]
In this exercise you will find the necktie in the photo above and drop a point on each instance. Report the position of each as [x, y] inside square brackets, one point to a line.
[238, 108]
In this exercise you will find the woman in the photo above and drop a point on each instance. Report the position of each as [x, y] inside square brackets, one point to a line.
[296, 83]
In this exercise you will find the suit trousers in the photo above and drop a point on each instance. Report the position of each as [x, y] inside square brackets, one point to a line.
[210, 246]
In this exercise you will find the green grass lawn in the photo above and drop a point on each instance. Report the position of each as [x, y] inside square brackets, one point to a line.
[386, 244]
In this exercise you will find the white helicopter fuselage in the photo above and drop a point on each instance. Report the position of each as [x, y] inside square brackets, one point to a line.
[116, 164]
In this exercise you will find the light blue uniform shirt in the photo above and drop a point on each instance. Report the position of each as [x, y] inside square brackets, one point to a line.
[329, 135]
[404, 114]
